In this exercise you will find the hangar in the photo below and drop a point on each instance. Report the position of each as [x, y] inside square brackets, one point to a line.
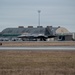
[38, 33]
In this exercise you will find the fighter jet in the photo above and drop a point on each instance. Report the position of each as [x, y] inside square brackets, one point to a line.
[35, 37]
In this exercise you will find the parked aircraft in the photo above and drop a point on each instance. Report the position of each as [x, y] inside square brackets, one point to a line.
[40, 37]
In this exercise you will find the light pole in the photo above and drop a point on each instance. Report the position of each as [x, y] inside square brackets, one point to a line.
[39, 17]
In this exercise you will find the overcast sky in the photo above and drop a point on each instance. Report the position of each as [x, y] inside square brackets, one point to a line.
[14, 13]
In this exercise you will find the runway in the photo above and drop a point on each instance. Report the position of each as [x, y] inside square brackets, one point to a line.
[39, 48]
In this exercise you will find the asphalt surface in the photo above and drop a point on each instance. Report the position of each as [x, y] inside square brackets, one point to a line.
[39, 48]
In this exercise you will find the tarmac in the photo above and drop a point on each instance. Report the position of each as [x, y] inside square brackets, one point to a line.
[40, 48]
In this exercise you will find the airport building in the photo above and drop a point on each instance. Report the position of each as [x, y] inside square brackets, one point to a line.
[38, 33]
